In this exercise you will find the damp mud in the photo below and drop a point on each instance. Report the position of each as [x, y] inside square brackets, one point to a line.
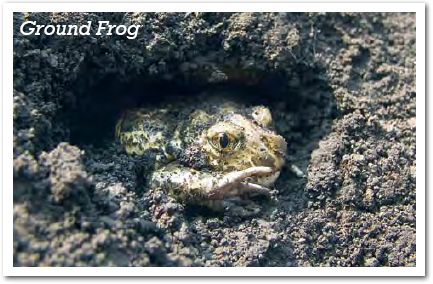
[341, 89]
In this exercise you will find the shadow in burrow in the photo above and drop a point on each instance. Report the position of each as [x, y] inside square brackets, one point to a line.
[303, 108]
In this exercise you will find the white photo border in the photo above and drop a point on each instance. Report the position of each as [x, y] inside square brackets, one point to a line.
[9, 270]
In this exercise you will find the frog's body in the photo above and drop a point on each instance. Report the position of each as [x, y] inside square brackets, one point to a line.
[215, 152]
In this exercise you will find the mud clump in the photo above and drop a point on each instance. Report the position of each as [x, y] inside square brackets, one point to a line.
[341, 88]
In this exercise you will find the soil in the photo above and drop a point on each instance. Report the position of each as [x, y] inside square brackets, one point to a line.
[341, 87]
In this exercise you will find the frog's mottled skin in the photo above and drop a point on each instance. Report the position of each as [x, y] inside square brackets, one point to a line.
[210, 151]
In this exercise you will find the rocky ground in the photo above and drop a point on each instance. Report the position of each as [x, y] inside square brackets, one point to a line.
[341, 87]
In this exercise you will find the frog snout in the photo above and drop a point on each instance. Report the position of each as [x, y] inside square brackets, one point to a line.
[280, 145]
[274, 155]
[279, 149]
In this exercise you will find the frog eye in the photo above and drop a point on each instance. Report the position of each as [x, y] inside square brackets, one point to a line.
[224, 141]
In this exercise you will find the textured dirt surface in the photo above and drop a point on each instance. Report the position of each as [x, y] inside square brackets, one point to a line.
[342, 91]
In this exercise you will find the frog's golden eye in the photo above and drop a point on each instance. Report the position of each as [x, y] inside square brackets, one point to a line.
[224, 141]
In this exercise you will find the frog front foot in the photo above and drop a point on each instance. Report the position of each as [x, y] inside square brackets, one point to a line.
[235, 184]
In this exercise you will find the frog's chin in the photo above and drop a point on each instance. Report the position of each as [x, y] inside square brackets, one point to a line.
[268, 180]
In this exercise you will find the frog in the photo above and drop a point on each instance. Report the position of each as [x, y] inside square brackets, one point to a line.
[211, 150]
